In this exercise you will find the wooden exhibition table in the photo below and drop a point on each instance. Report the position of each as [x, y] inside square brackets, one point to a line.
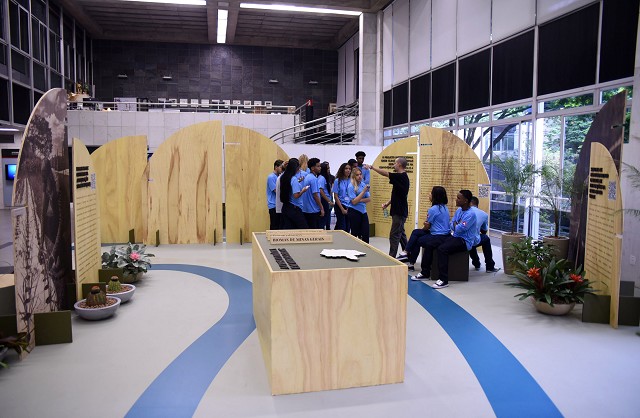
[333, 323]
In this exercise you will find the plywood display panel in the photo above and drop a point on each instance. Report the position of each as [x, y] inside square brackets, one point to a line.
[183, 196]
[42, 223]
[322, 329]
[119, 167]
[447, 161]
[603, 246]
[381, 188]
[249, 158]
[86, 217]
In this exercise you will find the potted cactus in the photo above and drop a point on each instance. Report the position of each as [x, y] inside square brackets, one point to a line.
[97, 305]
[124, 292]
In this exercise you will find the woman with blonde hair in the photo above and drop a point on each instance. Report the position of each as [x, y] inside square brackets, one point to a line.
[304, 164]
[358, 195]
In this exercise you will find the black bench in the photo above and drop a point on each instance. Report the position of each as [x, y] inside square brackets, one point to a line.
[458, 266]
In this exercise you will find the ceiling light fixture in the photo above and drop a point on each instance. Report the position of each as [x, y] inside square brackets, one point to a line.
[167, 77]
[289, 8]
[273, 81]
[122, 76]
[223, 16]
[313, 82]
[9, 130]
[178, 2]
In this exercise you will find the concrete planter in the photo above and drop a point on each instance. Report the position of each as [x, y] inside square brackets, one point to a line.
[560, 246]
[507, 240]
[96, 314]
[124, 296]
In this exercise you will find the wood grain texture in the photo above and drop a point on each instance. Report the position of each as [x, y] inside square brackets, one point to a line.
[249, 158]
[86, 214]
[328, 329]
[603, 244]
[184, 186]
[381, 189]
[119, 166]
[447, 161]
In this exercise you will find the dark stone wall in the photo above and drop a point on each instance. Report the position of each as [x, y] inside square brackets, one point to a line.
[215, 72]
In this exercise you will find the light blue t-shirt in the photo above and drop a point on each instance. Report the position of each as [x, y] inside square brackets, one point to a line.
[296, 187]
[341, 190]
[366, 175]
[322, 184]
[438, 216]
[352, 194]
[465, 222]
[271, 190]
[309, 204]
[482, 218]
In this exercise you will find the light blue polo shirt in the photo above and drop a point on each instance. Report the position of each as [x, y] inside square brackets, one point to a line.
[466, 227]
[309, 204]
[271, 190]
[296, 187]
[352, 194]
[438, 217]
[482, 218]
[341, 190]
[366, 175]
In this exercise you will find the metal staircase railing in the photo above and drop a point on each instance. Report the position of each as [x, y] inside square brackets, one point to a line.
[337, 128]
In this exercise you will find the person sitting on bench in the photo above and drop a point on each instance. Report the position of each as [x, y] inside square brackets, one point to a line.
[462, 239]
[436, 226]
[482, 227]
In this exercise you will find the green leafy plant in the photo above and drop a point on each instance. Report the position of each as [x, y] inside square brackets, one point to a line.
[18, 343]
[556, 182]
[133, 259]
[543, 277]
[110, 259]
[518, 180]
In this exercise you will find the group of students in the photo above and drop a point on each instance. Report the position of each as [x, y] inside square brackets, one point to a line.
[301, 193]
[466, 231]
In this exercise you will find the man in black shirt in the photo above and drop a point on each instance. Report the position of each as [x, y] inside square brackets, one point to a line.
[399, 205]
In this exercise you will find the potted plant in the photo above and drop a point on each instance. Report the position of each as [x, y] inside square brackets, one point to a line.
[133, 260]
[553, 285]
[97, 305]
[518, 180]
[124, 292]
[110, 266]
[18, 343]
[556, 182]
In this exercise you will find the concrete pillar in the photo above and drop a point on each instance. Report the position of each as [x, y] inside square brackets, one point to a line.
[631, 194]
[369, 96]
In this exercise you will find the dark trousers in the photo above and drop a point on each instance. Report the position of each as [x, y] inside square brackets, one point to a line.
[429, 243]
[274, 219]
[342, 221]
[485, 243]
[326, 220]
[397, 235]
[292, 217]
[359, 224]
[451, 245]
[313, 219]
[413, 245]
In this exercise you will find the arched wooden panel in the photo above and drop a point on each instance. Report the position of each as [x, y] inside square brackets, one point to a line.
[86, 214]
[183, 196]
[447, 161]
[249, 158]
[603, 244]
[381, 188]
[119, 166]
[42, 224]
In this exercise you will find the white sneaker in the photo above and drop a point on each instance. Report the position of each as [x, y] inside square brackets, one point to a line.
[419, 277]
[439, 284]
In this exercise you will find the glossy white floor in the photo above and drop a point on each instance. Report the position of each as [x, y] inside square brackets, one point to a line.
[587, 370]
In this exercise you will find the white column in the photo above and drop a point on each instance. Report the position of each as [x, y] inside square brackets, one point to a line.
[370, 93]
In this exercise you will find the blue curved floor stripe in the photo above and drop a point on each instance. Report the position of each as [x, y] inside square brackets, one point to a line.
[510, 389]
[178, 390]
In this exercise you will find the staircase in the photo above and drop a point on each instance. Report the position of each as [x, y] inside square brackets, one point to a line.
[339, 127]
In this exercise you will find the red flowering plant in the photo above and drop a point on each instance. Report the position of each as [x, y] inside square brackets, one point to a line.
[546, 279]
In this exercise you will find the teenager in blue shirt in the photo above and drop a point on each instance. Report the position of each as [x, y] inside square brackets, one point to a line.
[366, 174]
[343, 178]
[311, 205]
[482, 227]
[291, 191]
[274, 218]
[435, 228]
[358, 194]
[463, 237]
[325, 185]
